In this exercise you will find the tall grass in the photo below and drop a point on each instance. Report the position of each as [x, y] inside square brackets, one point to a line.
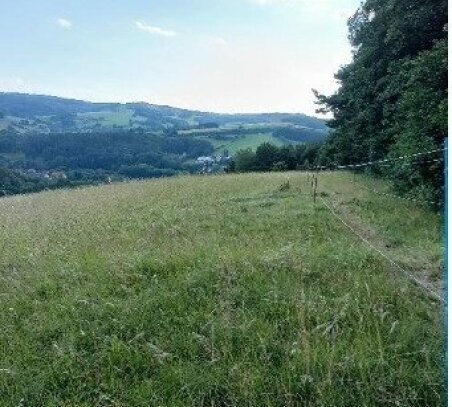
[213, 291]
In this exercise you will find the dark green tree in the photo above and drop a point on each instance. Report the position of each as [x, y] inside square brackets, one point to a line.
[266, 155]
[244, 160]
[392, 98]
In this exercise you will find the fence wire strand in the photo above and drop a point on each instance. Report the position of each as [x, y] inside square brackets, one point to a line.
[404, 198]
[422, 284]
[409, 275]
[376, 162]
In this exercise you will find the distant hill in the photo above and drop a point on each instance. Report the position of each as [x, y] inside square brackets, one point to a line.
[51, 142]
[29, 106]
[40, 113]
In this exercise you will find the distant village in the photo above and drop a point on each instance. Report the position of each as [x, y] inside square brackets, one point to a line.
[44, 174]
[213, 163]
[207, 165]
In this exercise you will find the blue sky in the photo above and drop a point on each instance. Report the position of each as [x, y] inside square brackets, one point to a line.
[216, 55]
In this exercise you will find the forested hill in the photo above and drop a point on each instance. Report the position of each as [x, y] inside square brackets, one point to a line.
[392, 99]
[39, 113]
[51, 142]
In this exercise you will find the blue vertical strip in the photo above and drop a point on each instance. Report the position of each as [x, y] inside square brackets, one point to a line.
[446, 226]
[446, 257]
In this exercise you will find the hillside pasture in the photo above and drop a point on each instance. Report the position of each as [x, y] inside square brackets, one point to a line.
[251, 141]
[121, 118]
[234, 290]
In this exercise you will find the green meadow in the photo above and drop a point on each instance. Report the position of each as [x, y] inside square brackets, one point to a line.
[230, 290]
[251, 141]
[121, 118]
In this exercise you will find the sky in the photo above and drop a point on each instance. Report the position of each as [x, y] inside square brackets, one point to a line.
[212, 55]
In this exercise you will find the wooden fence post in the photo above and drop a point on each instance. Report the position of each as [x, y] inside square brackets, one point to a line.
[315, 183]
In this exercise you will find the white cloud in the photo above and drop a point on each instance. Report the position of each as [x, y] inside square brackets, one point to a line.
[154, 30]
[218, 42]
[64, 23]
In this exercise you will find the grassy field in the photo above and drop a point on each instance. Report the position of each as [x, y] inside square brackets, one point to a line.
[232, 290]
[4, 123]
[258, 127]
[107, 119]
[249, 141]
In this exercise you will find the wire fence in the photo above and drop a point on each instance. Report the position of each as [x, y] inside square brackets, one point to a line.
[385, 163]
[392, 195]
[333, 167]
[426, 287]
[314, 191]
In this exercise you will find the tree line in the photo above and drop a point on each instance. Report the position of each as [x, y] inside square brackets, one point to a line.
[106, 150]
[87, 158]
[392, 99]
[391, 102]
[269, 157]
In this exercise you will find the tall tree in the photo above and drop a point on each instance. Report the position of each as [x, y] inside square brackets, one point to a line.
[392, 98]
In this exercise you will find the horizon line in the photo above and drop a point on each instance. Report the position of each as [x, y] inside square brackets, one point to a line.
[87, 100]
